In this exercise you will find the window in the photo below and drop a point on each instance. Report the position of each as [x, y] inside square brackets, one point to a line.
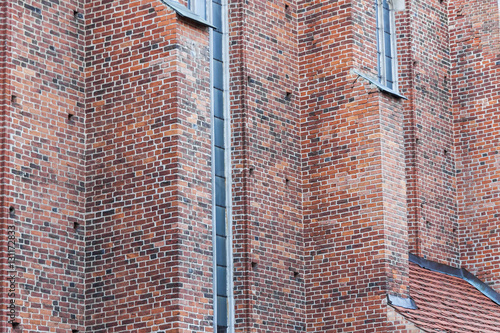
[223, 296]
[386, 44]
[199, 7]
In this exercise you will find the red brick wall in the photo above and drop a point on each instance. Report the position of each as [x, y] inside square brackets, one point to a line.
[353, 171]
[5, 89]
[149, 227]
[5, 100]
[475, 45]
[267, 217]
[322, 217]
[43, 158]
[425, 60]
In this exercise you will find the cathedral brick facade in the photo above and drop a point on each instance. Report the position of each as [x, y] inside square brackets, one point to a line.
[107, 162]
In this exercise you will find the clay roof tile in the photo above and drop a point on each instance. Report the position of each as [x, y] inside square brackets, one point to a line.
[449, 304]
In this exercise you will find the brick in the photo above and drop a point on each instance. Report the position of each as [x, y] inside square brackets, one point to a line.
[333, 181]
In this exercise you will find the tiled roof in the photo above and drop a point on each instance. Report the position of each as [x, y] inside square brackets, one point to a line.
[449, 304]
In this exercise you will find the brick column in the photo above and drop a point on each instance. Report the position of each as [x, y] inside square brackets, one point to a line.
[475, 44]
[149, 233]
[353, 172]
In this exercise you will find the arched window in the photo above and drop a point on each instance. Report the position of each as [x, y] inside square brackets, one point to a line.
[386, 44]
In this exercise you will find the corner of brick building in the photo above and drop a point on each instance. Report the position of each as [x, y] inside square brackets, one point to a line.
[449, 73]
[475, 45]
[334, 181]
[266, 148]
[106, 167]
[428, 121]
[353, 173]
[148, 191]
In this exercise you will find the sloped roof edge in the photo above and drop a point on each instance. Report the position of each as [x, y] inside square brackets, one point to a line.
[461, 273]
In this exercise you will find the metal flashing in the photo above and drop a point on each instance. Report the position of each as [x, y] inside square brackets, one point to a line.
[379, 86]
[481, 286]
[436, 267]
[461, 273]
[184, 12]
[407, 303]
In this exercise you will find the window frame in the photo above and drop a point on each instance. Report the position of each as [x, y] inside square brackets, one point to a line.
[381, 45]
[221, 26]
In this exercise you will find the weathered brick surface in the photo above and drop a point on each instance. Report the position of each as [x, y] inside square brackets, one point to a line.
[149, 251]
[334, 182]
[425, 68]
[5, 98]
[43, 156]
[269, 293]
[353, 173]
[401, 323]
[475, 45]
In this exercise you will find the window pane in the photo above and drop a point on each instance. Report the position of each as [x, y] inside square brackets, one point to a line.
[379, 63]
[218, 46]
[219, 132]
[221, 281]
[220, 221]
[221, 251]
[388, 69]
[218, 75]
[220, 191]
[221, 311]
[388, 45]
[219, 103]
[387, 17]
[219, 162]
[200, 8]
[217, 16]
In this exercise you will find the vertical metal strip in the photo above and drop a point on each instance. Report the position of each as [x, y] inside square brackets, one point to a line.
[227, 138]
[212, 146]
[380, 43]
[394, 45]
[216, 72]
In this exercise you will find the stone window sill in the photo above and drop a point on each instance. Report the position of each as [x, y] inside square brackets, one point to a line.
[380, 86]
